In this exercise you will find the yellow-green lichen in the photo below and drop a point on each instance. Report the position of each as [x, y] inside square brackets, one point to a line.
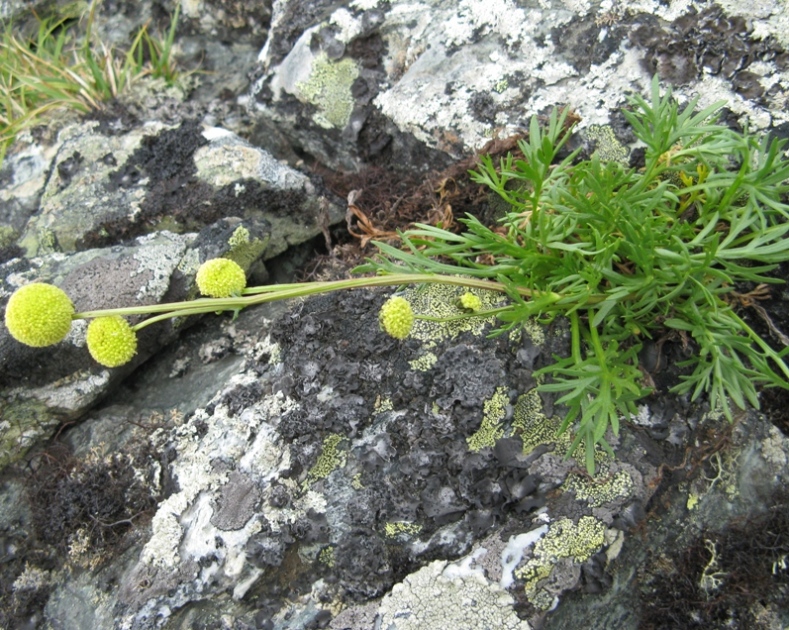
[607, 145]
[565, 540]
[534, 427]
[382, 404]
[398, 528]
[534, 330]
[329, 460]
[329, 89]
[356, 482]
[244, 249]
[597, 493]
[326, 556]
[423, 362]
[501, 85]
[442, 301]
[494, 411]
[537, 429]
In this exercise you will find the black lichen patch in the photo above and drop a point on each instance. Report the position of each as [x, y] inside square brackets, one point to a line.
[91, 501]
[723, 580]
[706, 42]
[163, 157]
[175, 198]
[580, 41]
[409, 460]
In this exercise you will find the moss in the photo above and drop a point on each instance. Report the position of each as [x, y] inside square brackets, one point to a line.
[329, 460]
[402, 528]
[329, 89]
[607, 145]
[494, 411]
[565, 540]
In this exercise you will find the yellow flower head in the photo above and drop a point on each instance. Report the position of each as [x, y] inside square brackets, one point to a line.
[220, 278]
[396, 317]
[111, 340]
[470, 302]
[39, 314]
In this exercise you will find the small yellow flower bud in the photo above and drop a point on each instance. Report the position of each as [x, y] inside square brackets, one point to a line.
[470, 302]
[221, 278]
[396, 317]
[111, 340]
[39, 314]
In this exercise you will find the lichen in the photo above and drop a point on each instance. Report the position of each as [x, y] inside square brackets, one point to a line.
[494, 410]
[534, 427]
[423, 362]
[442, 301]
[398, 528]
[244, 249]
[597, 493]
[329, 89]
[326, 556]
[564, 540]
[329, 460]
[607, 145]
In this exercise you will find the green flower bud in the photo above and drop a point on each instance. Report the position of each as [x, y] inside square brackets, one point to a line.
[221, 278]
[470, 302]
[396, 317]
[111, 340]
[39, 314]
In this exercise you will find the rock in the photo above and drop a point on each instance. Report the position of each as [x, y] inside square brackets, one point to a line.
[417, 83]
[297, 468]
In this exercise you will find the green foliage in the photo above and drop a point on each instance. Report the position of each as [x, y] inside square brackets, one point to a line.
[627, 254]
[60, 68]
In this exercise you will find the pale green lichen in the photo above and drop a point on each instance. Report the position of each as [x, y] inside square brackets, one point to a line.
[326, 556]
[441, 301]
[607, 145]
[537, 429]
[382, 404]
[501, 85]
[423, 362]
[494, 410]
[329, 89]
[600, 492]
[534, 427]
[244, 249]
[535, 331]
[329, 460]
[565, 539]
[356, 482]
[402, 528]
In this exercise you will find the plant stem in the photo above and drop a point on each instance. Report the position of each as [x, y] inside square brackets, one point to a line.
[261, 295]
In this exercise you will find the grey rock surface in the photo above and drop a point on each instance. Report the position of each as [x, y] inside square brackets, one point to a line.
[297, 468]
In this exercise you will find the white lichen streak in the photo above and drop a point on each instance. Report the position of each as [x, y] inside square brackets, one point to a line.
[181, 525]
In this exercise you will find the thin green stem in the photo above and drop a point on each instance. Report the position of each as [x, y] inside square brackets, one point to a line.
[261, 295]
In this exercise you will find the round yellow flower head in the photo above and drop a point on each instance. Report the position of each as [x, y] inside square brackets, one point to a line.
[396, 317]
[39, 314]
[111, 340]
[470, 302]
[220, 278]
